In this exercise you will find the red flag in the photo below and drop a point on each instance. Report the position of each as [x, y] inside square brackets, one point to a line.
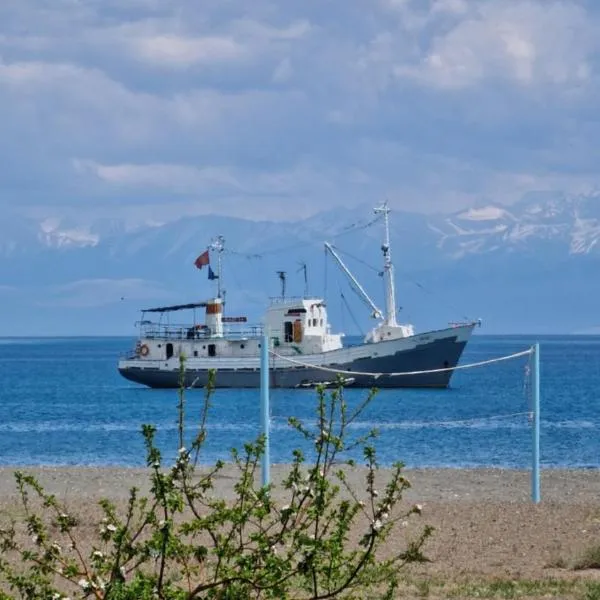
[202, 260]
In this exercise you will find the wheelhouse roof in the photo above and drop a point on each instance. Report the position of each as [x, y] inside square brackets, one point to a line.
[175, 307]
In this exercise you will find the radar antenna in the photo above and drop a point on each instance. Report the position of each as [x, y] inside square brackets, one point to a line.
[303, 268]
[282, 279]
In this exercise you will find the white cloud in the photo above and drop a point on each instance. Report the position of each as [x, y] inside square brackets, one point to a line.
[453, 7]
[174, 51]
[171, 43]
[173, 178]
[530, 42]
[128, 108]
[284, 71]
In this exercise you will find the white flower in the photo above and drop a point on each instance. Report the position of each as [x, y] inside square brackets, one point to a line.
[377, 525]
[418, 508]
[156, 464]
[35, 539]
[182, 450]
[111, 527]
[285, 507]
[100, 583]
[361, 503]
[84, 584]
[56, 547]
[385, 516]
[374, 493]
[64, 516]
[97, 554]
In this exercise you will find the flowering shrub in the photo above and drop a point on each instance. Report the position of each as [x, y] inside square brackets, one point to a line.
[183, 541]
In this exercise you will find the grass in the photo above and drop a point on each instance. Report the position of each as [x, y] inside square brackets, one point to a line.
[589, 559]
[501, 588]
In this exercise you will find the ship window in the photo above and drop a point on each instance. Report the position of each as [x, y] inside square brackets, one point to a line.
[314, 322]
[242, 346]
[212, 350]
[321, 322]
[169, 351]
[160, 345]
[203, 347]
[288, 331]
[195, 352]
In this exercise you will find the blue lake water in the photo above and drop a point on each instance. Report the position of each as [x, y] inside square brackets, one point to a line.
[62, 402]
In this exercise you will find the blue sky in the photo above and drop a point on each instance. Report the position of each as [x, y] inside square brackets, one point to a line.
[151, 109]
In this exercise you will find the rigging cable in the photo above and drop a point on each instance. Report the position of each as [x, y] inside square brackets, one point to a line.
[349, 229]
[358, 327]
[408, 278]
[366, 264]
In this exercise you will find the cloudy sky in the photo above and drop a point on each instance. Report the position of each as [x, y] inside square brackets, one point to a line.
[150, 109]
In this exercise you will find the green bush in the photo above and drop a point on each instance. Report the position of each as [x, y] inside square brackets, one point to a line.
[183, 541]
[588, 559]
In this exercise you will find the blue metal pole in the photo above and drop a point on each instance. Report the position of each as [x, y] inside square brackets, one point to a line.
[535, 471]
[264, 406]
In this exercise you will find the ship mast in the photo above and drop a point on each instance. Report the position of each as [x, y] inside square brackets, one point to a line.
[388, 269]
[218, 246]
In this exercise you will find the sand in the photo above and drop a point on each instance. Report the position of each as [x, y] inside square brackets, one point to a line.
[486, 527]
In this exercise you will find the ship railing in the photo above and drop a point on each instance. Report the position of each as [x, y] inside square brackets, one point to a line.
[285, 299]
[194, 332]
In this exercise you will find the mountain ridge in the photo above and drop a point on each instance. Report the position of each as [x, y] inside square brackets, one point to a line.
[531, 266]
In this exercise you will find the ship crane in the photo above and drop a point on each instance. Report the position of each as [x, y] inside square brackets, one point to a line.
[376, 314]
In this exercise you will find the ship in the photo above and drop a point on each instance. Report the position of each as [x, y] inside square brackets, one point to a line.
[303, 350]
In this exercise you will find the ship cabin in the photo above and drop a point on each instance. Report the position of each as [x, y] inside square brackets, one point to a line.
[300, 326]
[295, 326]
[211, 336]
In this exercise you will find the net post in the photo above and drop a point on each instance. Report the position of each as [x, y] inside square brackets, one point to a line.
[264, 406]
[535, 470]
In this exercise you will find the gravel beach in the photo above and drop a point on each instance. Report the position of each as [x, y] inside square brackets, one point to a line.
[486, 527]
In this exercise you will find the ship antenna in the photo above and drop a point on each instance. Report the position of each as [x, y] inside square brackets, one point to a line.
[388, 269]
[303, 268]
[282, 279]
[218, 245]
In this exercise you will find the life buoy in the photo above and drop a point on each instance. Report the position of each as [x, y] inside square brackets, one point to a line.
[144, 350]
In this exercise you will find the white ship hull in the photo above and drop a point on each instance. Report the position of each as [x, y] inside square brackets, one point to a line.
[423, 352]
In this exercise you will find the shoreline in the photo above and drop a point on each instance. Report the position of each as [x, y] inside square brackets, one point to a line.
[431, 484]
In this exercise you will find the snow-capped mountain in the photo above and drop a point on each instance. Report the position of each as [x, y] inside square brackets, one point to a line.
[569, 225]
[532, 266]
